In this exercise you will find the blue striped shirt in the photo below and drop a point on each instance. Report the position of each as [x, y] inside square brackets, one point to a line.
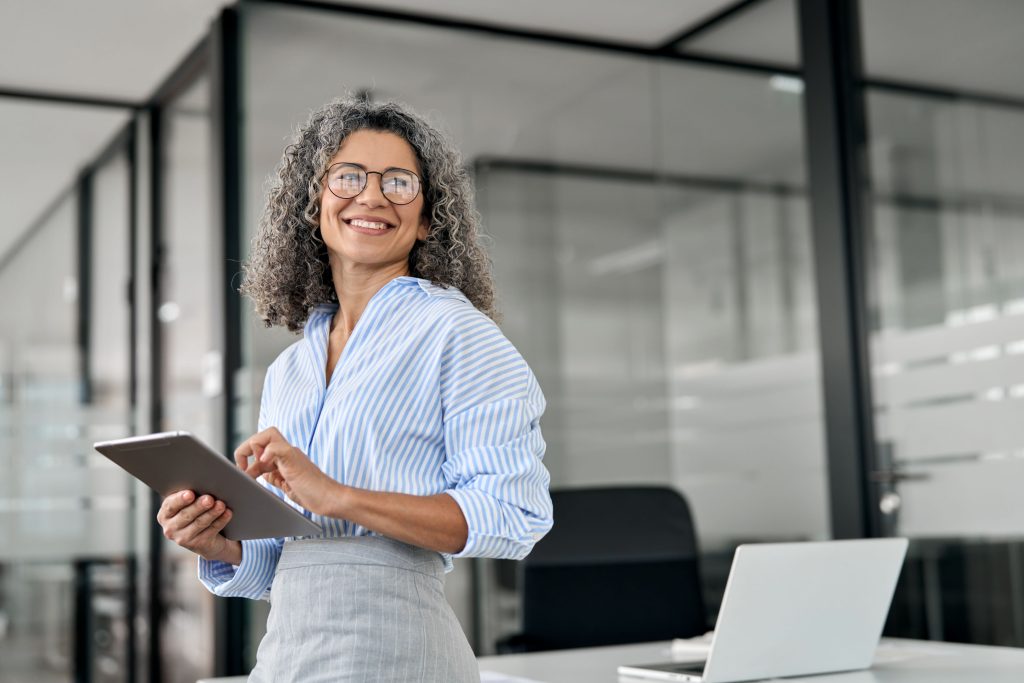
[427, 397]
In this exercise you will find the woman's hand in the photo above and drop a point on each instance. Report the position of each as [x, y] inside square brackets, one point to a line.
[287, 468]
[196, 525]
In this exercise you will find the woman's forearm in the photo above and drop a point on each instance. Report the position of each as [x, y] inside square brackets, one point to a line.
[432, 522]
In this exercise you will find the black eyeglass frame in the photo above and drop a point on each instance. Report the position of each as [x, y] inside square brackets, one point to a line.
[367, 174]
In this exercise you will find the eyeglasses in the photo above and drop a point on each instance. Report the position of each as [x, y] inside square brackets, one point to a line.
[346, 180]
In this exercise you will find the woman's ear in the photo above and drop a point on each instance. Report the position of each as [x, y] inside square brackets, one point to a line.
[424, 229]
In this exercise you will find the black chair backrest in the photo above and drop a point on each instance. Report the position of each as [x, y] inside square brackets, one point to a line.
[620, 565]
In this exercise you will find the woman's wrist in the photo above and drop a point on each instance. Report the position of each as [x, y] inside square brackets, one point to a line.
[231, 553]
[335, 501]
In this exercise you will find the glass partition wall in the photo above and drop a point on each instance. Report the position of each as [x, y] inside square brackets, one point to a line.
[81, 363]
[943, 186]
[37, 604]
[651, 250]
[946, 250]
[68, 548]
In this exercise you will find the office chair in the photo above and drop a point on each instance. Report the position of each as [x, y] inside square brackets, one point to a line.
[620, 565]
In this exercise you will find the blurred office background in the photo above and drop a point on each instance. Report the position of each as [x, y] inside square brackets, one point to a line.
[648, 173]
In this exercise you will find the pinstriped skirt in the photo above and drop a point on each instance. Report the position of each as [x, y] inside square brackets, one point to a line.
[361, 609]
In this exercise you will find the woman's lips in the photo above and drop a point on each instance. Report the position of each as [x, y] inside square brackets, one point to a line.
[367, 227]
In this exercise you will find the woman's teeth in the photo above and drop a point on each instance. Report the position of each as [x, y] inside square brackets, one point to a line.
[367, 224]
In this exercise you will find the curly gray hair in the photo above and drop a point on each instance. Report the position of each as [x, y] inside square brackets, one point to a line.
[288, 272]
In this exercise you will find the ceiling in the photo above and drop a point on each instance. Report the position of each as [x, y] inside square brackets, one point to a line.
[122, 49]
[107, 49]
[118, 49]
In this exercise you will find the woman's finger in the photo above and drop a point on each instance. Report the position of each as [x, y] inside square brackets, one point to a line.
[189, 513]
[275, 479]
[269, 459]
[218, 524]
[209, 533]
[173, 525]
[200, 523]
[243, 452]
[261, 466]
[255, 445]
[270, 453]
[173, 504]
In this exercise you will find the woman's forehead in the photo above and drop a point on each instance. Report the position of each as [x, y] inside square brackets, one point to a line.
[376, 149]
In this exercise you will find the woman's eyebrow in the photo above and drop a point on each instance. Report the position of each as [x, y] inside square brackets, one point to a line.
[385, 170]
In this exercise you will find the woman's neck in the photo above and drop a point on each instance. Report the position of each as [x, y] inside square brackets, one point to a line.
[354, 290]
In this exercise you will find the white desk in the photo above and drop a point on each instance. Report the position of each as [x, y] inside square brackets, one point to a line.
[898, 661]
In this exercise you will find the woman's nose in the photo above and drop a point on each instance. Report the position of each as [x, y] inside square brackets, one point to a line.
[372, 194]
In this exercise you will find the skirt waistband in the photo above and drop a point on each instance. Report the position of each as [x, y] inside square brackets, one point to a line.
[365, 550]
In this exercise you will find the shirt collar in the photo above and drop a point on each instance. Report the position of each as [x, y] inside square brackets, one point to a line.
[326, 310]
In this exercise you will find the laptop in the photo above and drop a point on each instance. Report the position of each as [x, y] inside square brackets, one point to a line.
[795, 609]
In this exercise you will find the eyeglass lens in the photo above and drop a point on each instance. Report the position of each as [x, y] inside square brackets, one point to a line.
[397, 185]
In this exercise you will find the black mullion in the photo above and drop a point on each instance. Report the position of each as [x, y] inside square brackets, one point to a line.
[935, 92]
[598, 172]
[835, 125]
[84, 277]
[155, 606]
[231, 616]
[81, 638]
[67, 98]
[132, 565]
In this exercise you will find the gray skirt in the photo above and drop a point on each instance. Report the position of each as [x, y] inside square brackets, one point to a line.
[361, 608]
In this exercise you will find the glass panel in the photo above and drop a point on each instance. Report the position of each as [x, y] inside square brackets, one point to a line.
[947, 294]
[41, 385]
[66, 533]
[651, 250]
[188, 312]
[110, 415]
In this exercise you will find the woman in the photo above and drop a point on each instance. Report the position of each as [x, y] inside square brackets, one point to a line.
[403, 422]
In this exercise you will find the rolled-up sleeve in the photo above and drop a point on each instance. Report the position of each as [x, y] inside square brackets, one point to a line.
[494, 447]
[251, 578]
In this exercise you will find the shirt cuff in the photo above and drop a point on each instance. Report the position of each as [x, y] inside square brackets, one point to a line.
[251, 578]
[490, 534]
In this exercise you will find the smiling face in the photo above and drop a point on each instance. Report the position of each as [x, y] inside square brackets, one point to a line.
[368, 234]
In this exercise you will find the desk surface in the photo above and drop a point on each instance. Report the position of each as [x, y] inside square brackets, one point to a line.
[897, 661]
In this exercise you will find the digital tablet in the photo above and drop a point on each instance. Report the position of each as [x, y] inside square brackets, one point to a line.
[173, 461]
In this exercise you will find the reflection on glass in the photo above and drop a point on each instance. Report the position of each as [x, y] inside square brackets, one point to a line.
[39, 413]
[66, 552]
[947, 285]
[674, 330]
[110, 416]
[949, 292]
